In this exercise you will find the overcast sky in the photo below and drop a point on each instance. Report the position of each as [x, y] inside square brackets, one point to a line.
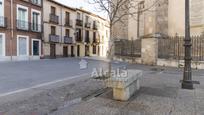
[81, 3]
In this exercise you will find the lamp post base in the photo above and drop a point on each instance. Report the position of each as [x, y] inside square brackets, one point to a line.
[187, 85]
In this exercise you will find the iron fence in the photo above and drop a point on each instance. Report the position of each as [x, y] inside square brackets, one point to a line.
[131, 48]
[173, 48]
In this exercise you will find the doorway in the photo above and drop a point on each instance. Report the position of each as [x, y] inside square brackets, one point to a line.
[87, 50]
[65, 51]
[52, 51]
[72, 51]
[78, 50]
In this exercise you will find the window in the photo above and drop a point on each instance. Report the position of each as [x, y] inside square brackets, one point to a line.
[36, 21]
[53, 10]
[22, 46]
[36, 47]
[2, 45]
[22, 17]
[53, 30]
[67, 32]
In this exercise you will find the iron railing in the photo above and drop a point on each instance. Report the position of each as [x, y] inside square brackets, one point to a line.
[79, 22]
[36, 27]
[68, 23]
[54, 38]
[3, 21]
[22, 25]
[54, 18]
[173, 48]
[96, 40]
[68, 40]
[95, 26]
[87, 40]
[130, 48]
[36, 2]
[88, 25]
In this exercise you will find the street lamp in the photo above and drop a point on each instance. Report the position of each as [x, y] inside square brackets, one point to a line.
[187, 82]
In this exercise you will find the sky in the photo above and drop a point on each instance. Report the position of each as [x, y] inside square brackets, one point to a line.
[82, 3]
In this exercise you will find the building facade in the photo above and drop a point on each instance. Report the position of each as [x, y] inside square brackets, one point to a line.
[71, 32]
[162, 16]
[59, 29]
[20, 29]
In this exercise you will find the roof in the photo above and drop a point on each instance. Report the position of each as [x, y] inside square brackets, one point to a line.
[75, 9]
[65, 6]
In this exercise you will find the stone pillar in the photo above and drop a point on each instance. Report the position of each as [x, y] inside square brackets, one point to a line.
[149, 51]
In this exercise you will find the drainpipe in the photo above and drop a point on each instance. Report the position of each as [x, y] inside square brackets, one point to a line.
[12, 33]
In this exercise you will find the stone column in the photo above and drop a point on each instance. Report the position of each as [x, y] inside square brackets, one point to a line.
[149, 51]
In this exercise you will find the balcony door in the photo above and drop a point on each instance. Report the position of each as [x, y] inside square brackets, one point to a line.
[1, 13]
[2, 8]
[22, 17]
[67, 19]
[36, 21]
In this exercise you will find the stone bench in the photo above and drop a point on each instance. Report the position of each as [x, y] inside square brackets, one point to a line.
[125, 87]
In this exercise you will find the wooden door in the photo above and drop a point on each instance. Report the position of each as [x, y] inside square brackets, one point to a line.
[52, 51]
[65, 51]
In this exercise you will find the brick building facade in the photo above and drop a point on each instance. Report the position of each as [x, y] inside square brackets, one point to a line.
[20, 29]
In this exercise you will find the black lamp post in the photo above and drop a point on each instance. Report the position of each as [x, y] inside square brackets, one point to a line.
[187, 82]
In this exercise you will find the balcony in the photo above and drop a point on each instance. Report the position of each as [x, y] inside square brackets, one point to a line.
[79, 22]
[54, 38]
[36, 27]
[3, 22]
[78, 38]
[68, 40]
[54, 18]
[95, 26]
[87, 40]
[96, 40]
[68, 23]
[22, 25]
[87, 25]
[36, 2]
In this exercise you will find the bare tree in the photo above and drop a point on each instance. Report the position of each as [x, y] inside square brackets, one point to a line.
[117, 12]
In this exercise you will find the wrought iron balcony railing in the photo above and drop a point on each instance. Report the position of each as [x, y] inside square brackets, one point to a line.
[88, 25]
[54, 38]
[22, 25]
[3, 21]
[78, 38]
[68, 23]
[36, 2]
[96, 40]
[36, 27]
[95, 26]
[54, 18]
[87, 40]
[79, 22]
[68, 40]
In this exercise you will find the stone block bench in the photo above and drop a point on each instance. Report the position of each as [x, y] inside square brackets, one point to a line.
[125, 87]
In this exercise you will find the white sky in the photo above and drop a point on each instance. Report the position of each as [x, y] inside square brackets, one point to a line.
[81, 3]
